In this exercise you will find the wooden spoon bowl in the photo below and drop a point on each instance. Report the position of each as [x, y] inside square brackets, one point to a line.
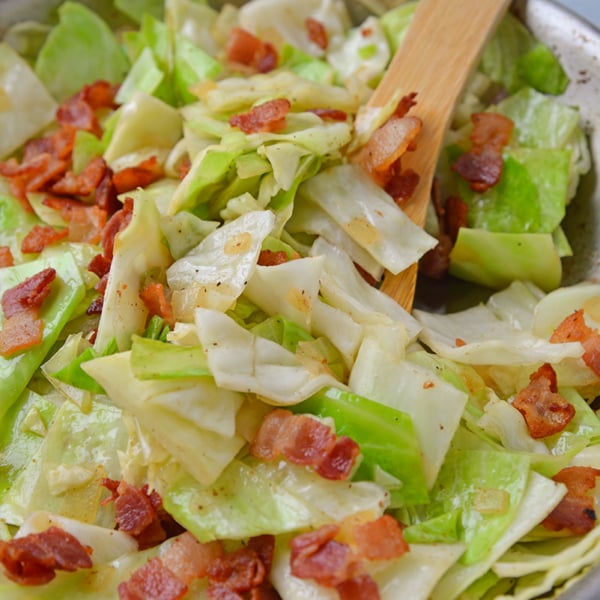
[439, 52]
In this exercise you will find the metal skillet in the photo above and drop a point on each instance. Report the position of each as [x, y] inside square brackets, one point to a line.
[577, 43]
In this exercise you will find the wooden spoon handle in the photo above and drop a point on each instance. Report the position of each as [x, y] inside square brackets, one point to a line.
[440, 50]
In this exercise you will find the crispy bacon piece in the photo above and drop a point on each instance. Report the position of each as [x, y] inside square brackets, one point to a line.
[381, 539]
[402, 185]
[339, 461]
[152, 581]
[317, 555]
[333, 114]
[77, 113]
[243, 571]
[140, 513]
[387, 144]
[99, 265]
[576, 510]
[116, 223]
[362, 586]
[435, 262]
[268, 116]
[304, 440]
[155, 300]
[405, 104]
[41, 236]
[482, 165]
[545, 411]
[34, 558]
[456, 212]
[245, 48]
[270, 258]
[59, 144]
[99, 94]
[317, 32]
[147, 172]
[106, 194]
[575, 329]
[6, 257]
[83, 184]
[21, 332]
[189, 559]
[30, 293]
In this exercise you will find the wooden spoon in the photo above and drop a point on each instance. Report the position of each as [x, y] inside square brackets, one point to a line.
[440, 50]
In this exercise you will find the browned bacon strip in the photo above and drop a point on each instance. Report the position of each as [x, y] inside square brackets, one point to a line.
[21, 332]
[545, 411]
[154, 298]
[304, 440]
[362, 586]
[244, 48]
[576, 510]
[34, 558]
[30, 293]
[130, 178]
[334, 114]
[575, 329]
[381, 539]
[317, 32]
[40, 236]
[317, 555]
[6, 257]
[83, 184]
[152, 581]
[268, 116]
[482, 165]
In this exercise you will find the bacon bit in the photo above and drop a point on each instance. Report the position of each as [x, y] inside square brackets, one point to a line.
[116, 223]
[30, 293]
[338, 463]
[99, 265]
[459, 342]
[77, 113]
[381, 539]
[6, 257]
[270, 258]
[317, 555]
[576, 509]
[34, 558]
[545, 411]
[59, 144]
[189, 559]
[152, 581]
[482, 165]
[84, 183]
[362, 586]
[317, 32]
[243, 571]
[140, 514]
[456, 212]
[147, 172]
[388, 143]
[268, 116]
[435, 262]
[41, 236]
[575, 329]
[21, 332]
[304, 440]
[401, 186]
[405, 104]
[95, 307]
[153, 297]
[99, 94]
[106, 194]
[245, 48]
[332, 114]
